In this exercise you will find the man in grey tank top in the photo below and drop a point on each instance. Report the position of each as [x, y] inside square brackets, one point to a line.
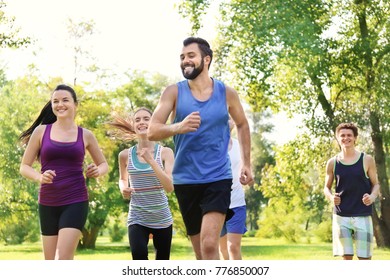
[199, 108]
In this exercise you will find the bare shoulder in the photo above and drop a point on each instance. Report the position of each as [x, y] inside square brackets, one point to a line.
[330, 163]
[38, 132]
[230, 92]
[166, 151]
[368, 159]
[170, 91]
[40, 129]
[232, 98]
[166, 105]
[87, 132]
[123, 154]
[331, 160]
[88, 135]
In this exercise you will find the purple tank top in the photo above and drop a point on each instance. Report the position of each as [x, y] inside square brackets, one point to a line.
[66, 159]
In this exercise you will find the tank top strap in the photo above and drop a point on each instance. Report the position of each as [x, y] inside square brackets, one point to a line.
[46, 134]
[158, 149]
[129, 156]
[80, 134]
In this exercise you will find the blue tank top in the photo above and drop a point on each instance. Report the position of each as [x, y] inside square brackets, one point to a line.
[148, 204]
[352, 183]
[67, 160]
[202, 156]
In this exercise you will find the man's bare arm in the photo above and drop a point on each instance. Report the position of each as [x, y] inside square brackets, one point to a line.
[159, 129]
[237, 113]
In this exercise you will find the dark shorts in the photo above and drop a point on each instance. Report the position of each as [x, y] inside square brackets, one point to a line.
[54, 218]
[195, 200]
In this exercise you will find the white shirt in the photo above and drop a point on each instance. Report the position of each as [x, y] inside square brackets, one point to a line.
[237, 195]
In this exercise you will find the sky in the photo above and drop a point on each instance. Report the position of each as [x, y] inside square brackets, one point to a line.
[130, 34]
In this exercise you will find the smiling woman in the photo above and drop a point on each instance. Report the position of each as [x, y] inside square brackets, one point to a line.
[145, 172]
[59, 145]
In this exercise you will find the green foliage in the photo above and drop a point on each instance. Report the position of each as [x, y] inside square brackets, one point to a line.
[178, 223]
[288, 219]
[117, 228]
[261, 155]
[194, 10]
[18, 207]
[13, 230]
[9, 33]
[293, 187]
[324, 231]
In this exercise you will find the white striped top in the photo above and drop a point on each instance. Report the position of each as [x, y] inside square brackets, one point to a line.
[149, 203]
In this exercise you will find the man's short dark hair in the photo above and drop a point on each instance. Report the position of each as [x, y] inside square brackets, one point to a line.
[350, 126]
[203, 45]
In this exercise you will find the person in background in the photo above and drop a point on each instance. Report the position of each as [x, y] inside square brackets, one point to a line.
[356, 188]
[235, 227]
[199, 108]
[55, 140]
[145, 175]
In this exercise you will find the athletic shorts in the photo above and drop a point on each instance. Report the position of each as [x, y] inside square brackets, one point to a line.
[54, 218]
[195, 200]
[350, 230]
[237, 223]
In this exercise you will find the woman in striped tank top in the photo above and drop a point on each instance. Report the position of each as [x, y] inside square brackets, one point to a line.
[145, 175]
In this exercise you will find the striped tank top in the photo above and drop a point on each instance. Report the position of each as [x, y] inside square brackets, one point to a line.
[149, 203]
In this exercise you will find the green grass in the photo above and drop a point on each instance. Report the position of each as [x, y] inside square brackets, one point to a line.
[252, 249]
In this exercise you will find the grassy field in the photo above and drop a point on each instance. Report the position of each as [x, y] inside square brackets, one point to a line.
[252, 249]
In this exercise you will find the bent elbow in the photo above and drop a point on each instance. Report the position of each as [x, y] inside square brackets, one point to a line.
[22, 170]
[152, 135]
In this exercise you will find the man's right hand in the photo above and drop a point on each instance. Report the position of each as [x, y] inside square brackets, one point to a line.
[190, 123]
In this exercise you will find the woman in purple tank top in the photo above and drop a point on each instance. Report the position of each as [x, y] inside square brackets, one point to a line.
[55, 140]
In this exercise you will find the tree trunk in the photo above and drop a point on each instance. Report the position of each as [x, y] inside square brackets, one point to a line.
[381, 221]
[89, 238]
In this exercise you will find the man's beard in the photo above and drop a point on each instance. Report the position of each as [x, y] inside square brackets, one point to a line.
[195, 73]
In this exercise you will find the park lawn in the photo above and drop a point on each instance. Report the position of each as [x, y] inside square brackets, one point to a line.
[252, 249]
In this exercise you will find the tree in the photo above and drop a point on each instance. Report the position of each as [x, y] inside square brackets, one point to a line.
[18, 207]
[9, 33]
[326, 59]
[293, 187]
[262, 155]
[78, 35]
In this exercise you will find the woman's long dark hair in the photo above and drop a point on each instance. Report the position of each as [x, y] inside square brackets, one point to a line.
[46, 116]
